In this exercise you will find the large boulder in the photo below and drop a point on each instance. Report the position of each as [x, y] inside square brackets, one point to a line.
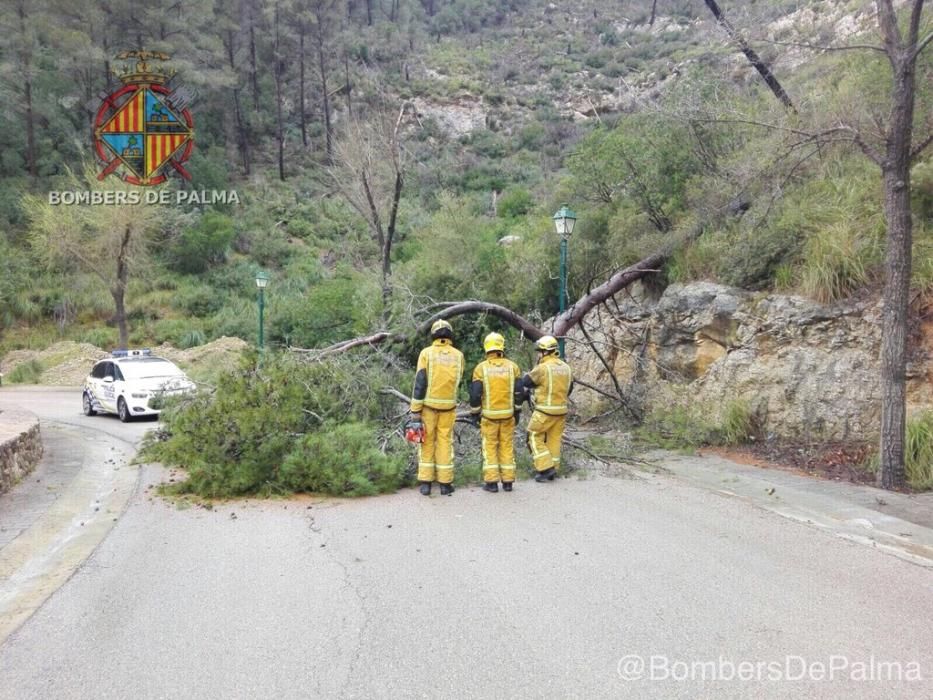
[809, 371]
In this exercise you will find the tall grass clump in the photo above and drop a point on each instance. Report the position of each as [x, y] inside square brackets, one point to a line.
[918, 451]
[737, 424]
[837, 260]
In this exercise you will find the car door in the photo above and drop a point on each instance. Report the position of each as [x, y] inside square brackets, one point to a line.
[94, 385]
[107, 395]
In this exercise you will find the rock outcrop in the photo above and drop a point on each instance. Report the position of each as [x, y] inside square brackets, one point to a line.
[808, 371]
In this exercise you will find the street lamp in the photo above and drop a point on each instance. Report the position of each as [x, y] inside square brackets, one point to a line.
[262, 279]
[564, 220]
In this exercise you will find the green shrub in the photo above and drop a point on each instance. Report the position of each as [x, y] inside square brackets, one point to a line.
[517, 202]
[204, 244]
[343, 460]
[27, 372]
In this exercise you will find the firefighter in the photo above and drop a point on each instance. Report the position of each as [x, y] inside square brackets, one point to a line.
[551, 382]
[495, 404]
[434, 400]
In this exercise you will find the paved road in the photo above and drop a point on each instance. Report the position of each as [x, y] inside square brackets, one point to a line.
[555, 590]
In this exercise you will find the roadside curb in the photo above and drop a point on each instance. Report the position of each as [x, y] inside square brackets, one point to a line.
[47, 553]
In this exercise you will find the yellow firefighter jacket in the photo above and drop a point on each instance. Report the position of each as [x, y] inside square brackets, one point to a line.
[552, 381]
[496, 382]
[437, 379]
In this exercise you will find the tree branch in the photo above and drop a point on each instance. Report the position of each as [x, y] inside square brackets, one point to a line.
[753, 58]
[921, 147]
[921, 45]
[466, 307]
[819, 47]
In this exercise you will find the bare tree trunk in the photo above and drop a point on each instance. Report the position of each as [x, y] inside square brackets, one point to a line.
[26, 63]
[242, 134]
[896, 174]
[750, 54]
[346, 70]
[254, 70]
[279, 96]
[322, 69]
[301, 87]
[654, 13]
[118, 291]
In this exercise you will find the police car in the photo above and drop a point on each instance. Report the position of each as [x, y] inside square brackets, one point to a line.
[130, 383]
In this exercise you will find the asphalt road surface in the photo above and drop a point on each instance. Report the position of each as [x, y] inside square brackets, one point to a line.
[581, 588]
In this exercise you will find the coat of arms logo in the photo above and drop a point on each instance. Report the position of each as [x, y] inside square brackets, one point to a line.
[143, 130]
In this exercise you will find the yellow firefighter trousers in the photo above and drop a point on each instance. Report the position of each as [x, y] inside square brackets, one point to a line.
[544, 434]
[437, 450]
[498, 449]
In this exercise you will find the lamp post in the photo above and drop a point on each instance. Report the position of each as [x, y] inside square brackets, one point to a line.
[262, 279]
[564, 220]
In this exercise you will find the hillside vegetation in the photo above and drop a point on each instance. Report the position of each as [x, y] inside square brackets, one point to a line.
[384, 153]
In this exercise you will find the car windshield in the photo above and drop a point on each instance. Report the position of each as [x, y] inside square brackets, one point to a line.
[149, 368]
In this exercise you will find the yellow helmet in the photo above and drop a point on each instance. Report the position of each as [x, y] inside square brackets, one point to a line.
[547, 344]
[494, 341]
[438, 327]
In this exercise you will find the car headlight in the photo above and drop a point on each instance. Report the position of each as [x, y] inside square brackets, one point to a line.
[139, 394]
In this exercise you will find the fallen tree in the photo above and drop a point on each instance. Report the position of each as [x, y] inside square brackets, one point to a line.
[562, 324]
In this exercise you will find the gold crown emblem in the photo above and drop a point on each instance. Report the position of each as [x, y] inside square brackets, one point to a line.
[143, 71]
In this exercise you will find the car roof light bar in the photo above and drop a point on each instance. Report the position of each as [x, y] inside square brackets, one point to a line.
[146, 352]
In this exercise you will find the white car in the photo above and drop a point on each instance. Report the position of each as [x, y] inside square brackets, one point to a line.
[127, 382]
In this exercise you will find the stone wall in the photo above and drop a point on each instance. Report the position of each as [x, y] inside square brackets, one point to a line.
[807, 370]
[20, 446]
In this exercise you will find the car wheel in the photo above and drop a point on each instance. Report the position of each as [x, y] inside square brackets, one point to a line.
[88, 405]
[123, 410]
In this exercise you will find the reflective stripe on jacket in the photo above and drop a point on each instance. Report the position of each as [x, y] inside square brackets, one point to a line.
[552, 381]
[496, 380]
[437, 379]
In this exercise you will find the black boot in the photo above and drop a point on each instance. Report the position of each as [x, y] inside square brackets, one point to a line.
[546, 475]
[425, 488]
[447, 489]
[506, 485]
[552, 473]
[491, 486]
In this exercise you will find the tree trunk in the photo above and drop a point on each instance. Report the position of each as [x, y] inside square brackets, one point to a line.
[369, 12]
[895, 168]
[750, 54]
[279, 96]
[346, 69]
[894, 327]
[242, 134]
[26, 62]
[897, 281]
[654, 13]
[254, 71]
[118, 291]
[322, 69]
[301, 87]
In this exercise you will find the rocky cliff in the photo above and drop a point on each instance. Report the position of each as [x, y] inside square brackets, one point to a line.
[807, 371]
